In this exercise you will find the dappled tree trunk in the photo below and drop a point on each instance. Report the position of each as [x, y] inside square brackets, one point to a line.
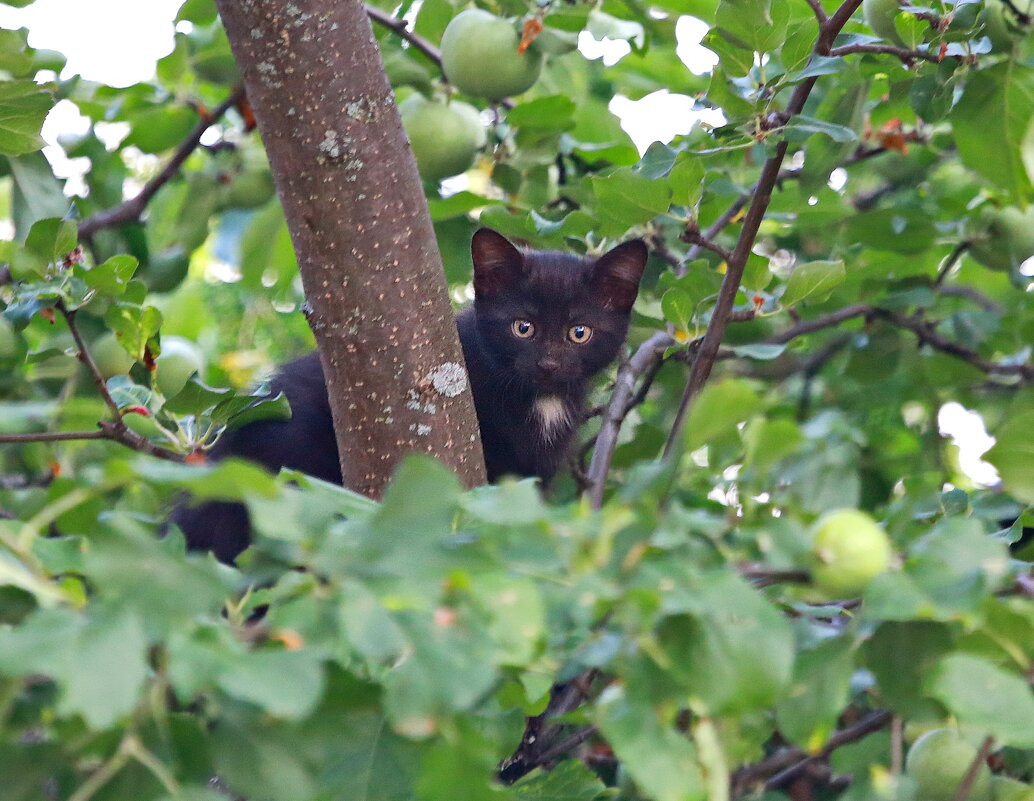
[377, 297]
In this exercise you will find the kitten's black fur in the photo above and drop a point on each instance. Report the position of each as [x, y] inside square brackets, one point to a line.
[528, 373]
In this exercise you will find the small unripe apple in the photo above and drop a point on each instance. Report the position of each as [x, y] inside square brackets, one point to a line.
[938, 761]
[848, 550]
[179, 360]
[479, 56]
[445, 137]
[111, 358]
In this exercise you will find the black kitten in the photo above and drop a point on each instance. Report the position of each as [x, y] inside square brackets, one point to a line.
[542, 325]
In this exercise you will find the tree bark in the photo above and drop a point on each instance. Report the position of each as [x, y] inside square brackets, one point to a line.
[377, 300]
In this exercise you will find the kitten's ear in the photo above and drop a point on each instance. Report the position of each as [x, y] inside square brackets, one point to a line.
[617, 272]
[498, 265]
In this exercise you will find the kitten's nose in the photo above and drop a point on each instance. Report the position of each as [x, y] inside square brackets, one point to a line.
[549, 365]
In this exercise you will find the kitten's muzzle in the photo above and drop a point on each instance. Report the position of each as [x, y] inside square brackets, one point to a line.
[548, 368]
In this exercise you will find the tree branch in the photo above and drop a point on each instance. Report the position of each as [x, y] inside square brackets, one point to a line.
[401, 28]
[116, 429]
[889, 50]
[131, 210]
[820, 12]
[784, 765]
[693, 236]
[646, 358]
[962, 793]
[927, 335]
[51, 436]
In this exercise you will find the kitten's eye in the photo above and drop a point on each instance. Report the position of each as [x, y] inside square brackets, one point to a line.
[579, 334]
[523, 329]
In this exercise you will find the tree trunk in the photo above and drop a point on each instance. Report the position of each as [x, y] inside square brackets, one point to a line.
[377, 300]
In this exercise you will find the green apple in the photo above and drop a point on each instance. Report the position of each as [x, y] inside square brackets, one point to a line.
[445, 137]
[848, 550]
[1005, 789]
[111, 358]
[879, 15]
[179, 360]
[937, 762]
[1003, 238]
[479, 56]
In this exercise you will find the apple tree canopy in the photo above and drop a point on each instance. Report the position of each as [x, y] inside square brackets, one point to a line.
[835, 324]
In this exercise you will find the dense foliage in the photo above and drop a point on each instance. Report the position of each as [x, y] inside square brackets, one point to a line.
[393, 650]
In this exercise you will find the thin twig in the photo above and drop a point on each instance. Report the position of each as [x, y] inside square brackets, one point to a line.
[87, 358]
[131, 210]
[52, 436]
[820, 12]
[950, 262]
[962, 793]
[903, 53]
[782, 766]
[401, 28]
[646, 358]
[737, 262]
[693, 236]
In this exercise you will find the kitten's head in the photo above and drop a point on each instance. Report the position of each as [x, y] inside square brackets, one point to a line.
[555, 318]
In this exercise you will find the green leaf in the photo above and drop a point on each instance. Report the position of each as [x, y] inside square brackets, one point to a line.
[456, 205]
[37, 192]
[195, 398]
[719, 408]
[993, 117]
[948, 574]
[813, 281]
[731, 648]
[818, 694]
[266, 249]
[760, 351]
[758, 25]
[678, 308]
[625, 198]
[735, 59]
[1013, 454]
[657, 161]
[111, 277]
[661, 760]
[23, 107]
[160, 128]
[231, 479]
[984, 696]
[769, 441]
[569, 781]
[603, 26]
[896, 230]
[51, 239]
[259, 676]
[552, 113]
[800, 128]
[901, 655]
[135, 326]
[97, 660]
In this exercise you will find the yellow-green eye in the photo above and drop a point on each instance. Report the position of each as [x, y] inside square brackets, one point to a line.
[523, 329]
[579, 334]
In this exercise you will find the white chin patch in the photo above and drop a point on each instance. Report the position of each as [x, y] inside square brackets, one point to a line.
[552, 414]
